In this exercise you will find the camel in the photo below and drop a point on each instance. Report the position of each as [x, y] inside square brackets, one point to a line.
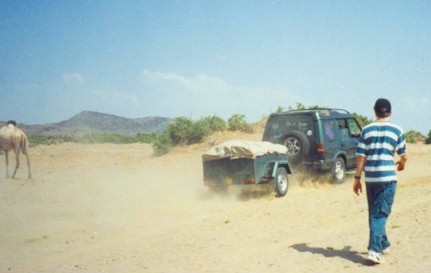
[13, 138]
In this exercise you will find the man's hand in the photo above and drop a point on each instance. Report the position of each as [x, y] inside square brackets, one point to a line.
[357, 187]
[401, 163]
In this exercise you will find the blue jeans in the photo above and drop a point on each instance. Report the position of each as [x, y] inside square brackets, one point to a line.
[380, 198]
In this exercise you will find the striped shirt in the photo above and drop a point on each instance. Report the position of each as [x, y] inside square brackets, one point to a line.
[378, 144]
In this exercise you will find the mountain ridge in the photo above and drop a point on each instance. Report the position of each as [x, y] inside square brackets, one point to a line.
[96, 122]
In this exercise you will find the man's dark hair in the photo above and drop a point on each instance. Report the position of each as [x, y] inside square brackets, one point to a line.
[382, 107]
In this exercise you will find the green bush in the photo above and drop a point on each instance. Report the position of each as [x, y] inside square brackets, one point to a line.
[300, 106]
[162, 144]
[184, 131]
[215, 123]
[37, 139]
[145, 138]
[413, 136]
[280, 109]
[410, 137]
[428, 139]
[237, 123]
[363, 120]
[104, 138]
[180, 130]
[200, 130]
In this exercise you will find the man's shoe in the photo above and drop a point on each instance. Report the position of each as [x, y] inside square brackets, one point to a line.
[386, 251]
[375, 257]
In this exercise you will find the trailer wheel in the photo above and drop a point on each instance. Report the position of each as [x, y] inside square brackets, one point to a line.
[281, 182]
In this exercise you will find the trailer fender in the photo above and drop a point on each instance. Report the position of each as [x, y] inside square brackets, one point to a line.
[280, 164]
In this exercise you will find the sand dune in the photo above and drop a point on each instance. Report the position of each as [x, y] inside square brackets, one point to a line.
[116, 208]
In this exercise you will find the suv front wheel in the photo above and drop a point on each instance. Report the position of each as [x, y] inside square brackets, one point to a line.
[339, 170]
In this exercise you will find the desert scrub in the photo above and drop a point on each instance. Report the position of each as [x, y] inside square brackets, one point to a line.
[237, 122]
[36, 139]
[162, 144]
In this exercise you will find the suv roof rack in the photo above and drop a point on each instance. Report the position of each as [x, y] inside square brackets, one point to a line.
[320, 112]
[321, 109]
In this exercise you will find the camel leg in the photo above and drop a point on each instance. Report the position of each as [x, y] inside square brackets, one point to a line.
[17, 162]
[7, 162]
[28, 163]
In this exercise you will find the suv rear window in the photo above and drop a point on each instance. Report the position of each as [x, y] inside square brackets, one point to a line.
[279, 124]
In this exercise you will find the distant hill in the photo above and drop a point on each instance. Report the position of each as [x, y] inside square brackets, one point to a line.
[88, 122]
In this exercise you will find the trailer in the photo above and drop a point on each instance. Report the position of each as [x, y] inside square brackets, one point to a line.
[247, 164]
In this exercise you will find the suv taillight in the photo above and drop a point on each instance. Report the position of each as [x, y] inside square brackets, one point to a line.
[320, 148]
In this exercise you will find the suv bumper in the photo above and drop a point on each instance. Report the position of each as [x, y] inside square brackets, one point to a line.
[318, 165]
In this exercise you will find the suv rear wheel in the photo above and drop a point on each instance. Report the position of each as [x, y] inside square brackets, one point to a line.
[297, 145]
[339, 170]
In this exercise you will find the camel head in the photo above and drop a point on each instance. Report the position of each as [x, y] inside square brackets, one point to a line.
[13, 122]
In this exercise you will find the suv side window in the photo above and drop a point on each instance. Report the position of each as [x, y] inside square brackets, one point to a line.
[355, 129]
[349, 128]
[329, 129]
[344, 131]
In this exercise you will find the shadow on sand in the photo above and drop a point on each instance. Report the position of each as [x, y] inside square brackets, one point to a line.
[345, 253]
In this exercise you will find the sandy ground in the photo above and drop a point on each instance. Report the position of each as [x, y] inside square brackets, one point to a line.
[116, 208]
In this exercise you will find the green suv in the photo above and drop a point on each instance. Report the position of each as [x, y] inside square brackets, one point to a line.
[318, 139]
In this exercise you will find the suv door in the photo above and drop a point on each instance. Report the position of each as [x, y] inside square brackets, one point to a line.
[350, 132]
[331, 135]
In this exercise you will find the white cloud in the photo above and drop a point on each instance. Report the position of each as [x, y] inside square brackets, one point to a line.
[204, 95]
[157, 77]
[200, 83]
[73, 78]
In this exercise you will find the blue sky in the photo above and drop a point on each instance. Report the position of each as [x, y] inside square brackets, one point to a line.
[201, 58]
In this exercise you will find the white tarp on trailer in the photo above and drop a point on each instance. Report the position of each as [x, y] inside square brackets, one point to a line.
[243, 149]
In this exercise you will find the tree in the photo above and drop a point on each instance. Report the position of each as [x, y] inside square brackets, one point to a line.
[215, 123]
[184, 131]
[179, 130]
[199, 130]
[428, 140]
[410, 136]
[299, 106]
[413, 136]
[363, 120]
[237, 123]
[280, 109]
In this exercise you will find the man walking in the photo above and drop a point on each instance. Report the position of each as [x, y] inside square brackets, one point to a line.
[379, 142]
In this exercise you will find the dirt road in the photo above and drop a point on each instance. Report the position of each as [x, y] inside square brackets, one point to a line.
[116, 208]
